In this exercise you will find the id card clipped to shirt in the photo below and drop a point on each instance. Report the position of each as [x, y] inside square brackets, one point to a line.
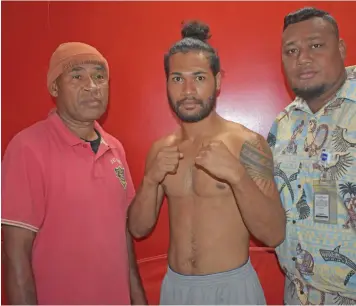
[325, 202]
[325, 196]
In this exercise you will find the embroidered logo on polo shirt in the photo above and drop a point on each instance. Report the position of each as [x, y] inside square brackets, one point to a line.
[120, 174]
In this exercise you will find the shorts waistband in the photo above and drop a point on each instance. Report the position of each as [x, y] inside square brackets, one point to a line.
[239, 273]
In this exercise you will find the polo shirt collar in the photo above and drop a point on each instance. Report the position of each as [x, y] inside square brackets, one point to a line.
[70, 138]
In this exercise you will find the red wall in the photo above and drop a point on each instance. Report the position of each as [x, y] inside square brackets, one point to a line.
[134, 36]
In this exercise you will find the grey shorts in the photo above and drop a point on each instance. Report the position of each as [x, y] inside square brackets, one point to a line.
[234, 287]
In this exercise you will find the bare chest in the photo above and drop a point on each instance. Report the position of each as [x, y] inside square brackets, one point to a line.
[190, 180]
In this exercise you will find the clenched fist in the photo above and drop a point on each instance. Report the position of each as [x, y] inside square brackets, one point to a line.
[216, 158]
[165, 162]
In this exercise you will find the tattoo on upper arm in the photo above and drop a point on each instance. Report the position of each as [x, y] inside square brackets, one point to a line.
[256, 157]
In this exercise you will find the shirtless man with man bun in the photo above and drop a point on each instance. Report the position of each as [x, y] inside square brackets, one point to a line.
[218, 178]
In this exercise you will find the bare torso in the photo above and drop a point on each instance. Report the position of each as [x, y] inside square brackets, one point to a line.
[207, 234]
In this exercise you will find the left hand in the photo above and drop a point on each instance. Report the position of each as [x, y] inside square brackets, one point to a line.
[216, 158]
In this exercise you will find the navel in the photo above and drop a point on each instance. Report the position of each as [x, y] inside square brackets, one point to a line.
[220, 186]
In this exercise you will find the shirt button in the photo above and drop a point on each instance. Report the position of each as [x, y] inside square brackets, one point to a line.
[85, 145]
[294, 222]
[299, 186]
[294, 258]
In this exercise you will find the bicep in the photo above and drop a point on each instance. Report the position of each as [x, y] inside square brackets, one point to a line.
[256, 156]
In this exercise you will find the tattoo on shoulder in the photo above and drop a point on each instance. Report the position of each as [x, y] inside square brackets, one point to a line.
[256, 157]
[259, 144]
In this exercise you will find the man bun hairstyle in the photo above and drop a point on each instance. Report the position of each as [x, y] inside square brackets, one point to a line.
[196, 30]
[195, 36]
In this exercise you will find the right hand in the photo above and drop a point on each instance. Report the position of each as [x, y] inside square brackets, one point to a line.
[165, 162]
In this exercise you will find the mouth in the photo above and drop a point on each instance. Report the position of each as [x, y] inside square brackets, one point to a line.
[190, 105]
[307, 75]
[92, 102]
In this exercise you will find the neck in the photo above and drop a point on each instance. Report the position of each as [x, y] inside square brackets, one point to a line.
[84, 130]
[317, 103]
[201, 129]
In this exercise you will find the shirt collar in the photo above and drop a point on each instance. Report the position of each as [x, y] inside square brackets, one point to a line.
[71, 139]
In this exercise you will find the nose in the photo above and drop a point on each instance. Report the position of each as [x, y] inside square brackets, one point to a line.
[304, 56]
[189, 87]
[90, 84]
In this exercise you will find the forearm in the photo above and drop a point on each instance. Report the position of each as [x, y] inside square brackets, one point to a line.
[20, 285]
[137, 292]
[262, 212]
[144, 209]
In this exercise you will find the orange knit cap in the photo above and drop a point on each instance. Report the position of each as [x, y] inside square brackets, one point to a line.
[70, 54]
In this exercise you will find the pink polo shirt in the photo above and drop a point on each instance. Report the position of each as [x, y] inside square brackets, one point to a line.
[76, 201]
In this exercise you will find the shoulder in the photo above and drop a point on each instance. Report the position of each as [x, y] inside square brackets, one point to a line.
[351, 72]
[31, 138]
[246, 138]
[113, 141]
[28, 148]
[348, 90]
[166, 141]
[256, 142]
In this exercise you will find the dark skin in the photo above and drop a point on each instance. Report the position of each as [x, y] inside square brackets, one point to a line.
[137, 293]
[17, 253]
[217, 176]
[82, 95]
[81, 98]
[313, 56]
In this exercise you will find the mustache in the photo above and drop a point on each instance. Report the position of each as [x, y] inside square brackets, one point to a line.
[198, 101]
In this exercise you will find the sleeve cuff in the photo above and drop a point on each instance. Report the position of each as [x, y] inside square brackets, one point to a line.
[20, 224]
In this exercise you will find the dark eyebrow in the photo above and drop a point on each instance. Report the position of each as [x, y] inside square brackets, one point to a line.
[199, 72]
[193, 73]
[101, 68]
[79, 68]
[310, 38]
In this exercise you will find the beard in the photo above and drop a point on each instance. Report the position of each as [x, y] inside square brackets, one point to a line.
[206, 108]
[310, 93]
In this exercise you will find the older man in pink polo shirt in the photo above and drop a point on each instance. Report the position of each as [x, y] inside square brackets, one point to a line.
[66, 187]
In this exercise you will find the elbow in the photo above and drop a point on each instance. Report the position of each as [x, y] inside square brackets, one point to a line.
[137, 231]
[277, 234]
[138, 225]
[275, 241]
[276, 237]
[133, 226]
